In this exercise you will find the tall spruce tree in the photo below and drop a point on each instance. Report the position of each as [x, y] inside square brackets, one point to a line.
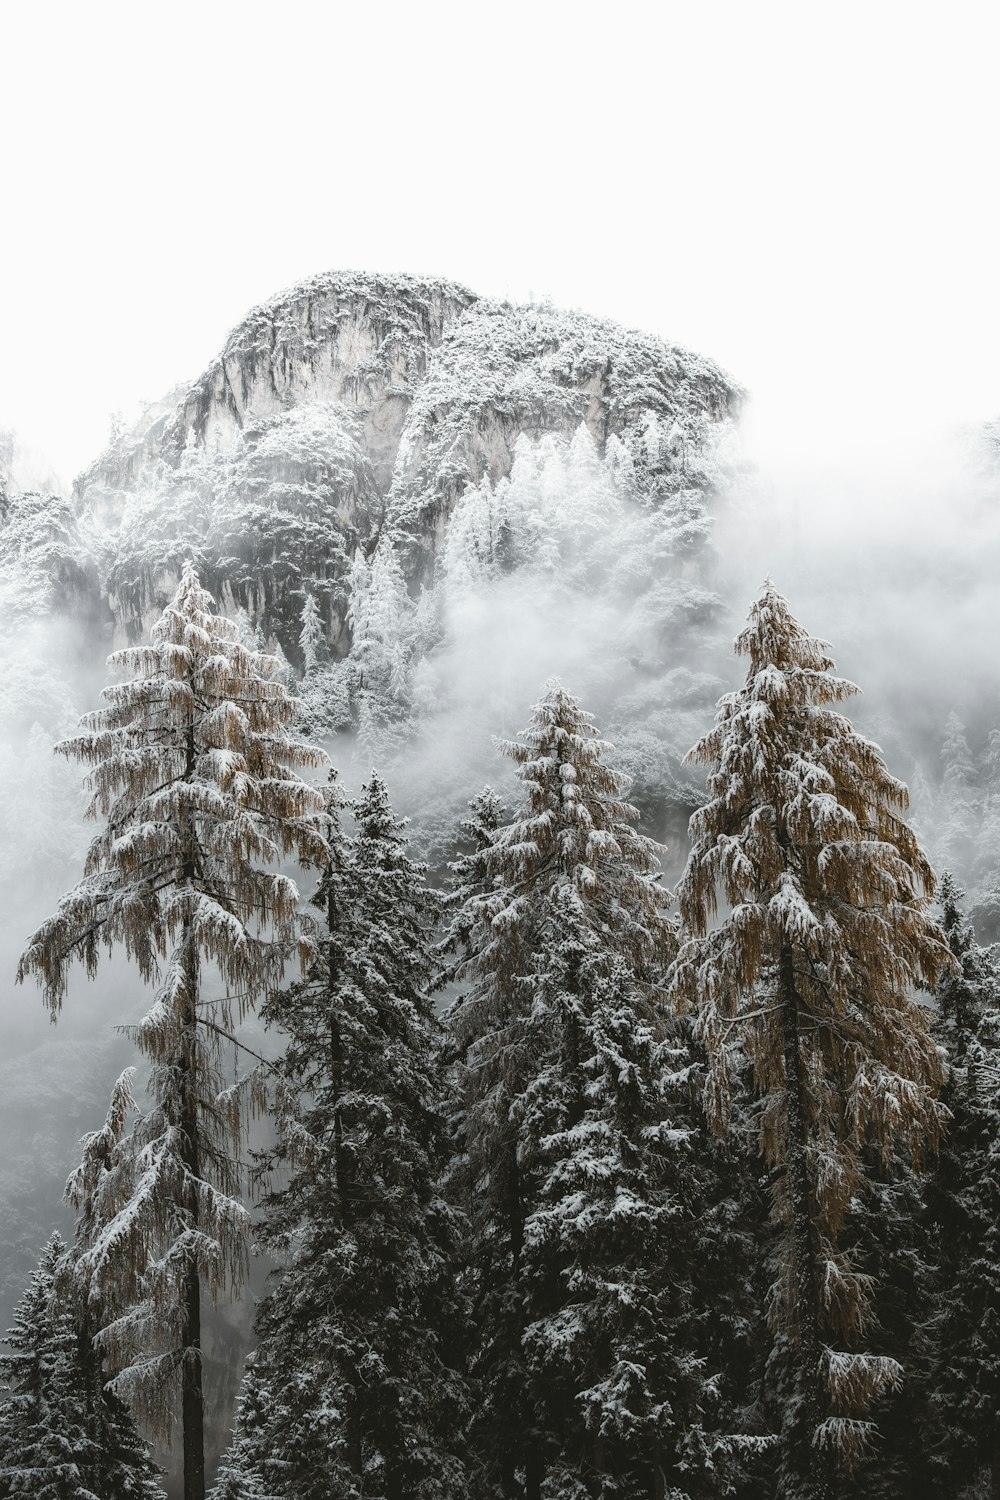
[356, 1386]
[809, 972]
[591, 1382]
[62, 1435]
[963, 1215]
[196, 777]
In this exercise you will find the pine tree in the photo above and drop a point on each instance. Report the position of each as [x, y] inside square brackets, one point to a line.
[62, 1436]
[196, 777]
[470, 878]
[592, 1379]
[809, 972]
[617, 1357]
[355, 1388]
[960, 796]
[963, 1215]
[311, 638]
[986, 912]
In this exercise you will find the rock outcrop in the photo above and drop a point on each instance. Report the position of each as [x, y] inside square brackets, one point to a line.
[356, 407]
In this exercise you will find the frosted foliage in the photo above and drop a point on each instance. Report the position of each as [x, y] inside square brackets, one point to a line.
[62, 1435]
[559, 935]
[277, 510]
[502, 370]
[957, 839]
[353, 1375]
[311, 635]
[197, 782]
[557, 512]
[40, 549]
[809, 968]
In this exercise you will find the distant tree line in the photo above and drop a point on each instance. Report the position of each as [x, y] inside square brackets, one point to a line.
[650, 1205]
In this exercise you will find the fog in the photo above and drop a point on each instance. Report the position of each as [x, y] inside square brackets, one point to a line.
[890, 553]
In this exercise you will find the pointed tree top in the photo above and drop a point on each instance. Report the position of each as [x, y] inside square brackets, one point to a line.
[773, 636]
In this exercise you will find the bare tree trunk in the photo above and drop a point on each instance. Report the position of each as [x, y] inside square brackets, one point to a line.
[995, 1471]
[805, 1459]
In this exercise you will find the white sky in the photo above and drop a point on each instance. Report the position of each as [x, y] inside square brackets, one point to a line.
[805, 191]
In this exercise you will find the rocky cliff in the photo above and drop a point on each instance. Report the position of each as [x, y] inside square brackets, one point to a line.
[357, 406]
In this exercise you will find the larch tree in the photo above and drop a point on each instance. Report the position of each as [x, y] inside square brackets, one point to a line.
[579, 1266]
[197, 779]
[62, 1435]
[809, 971]
[356, 1387]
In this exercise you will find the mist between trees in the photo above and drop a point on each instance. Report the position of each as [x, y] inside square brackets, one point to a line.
[563, 567]
[619, 1222]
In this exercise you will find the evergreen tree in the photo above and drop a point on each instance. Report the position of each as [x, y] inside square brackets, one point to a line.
[470, 878]
[964, 1216]
[616, 1348]
[960, 797]
[591, 1380]
[196, 778]
[311, 639]
[987, 907]
[62, 1436]
[809, 972]
[355, 1388]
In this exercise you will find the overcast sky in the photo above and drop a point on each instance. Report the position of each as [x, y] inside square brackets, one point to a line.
[806, 192]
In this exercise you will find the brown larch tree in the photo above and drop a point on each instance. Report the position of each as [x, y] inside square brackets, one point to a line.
[196, 777]
[808, 973]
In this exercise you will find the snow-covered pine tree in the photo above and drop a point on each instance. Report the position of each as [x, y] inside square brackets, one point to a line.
[810, 972]
[963, 1214]
[986, 912]
[62, 1436]
[574, 1154]
[960, 797]
[311, 638]
[616, 1349]
[197, 779]
[470, 878]
[355, 1387]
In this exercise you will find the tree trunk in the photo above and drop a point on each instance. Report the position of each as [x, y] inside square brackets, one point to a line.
[995, 1471]
[341, 1164]
[192, 1403]
[534, 1470]
[806, 1462]
[192, 1398]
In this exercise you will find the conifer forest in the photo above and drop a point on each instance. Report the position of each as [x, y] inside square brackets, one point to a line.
[531, 1089]
[499, 809]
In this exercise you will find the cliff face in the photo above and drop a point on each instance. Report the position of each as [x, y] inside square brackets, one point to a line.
[504, 371]
[350, 338]
[357, 406]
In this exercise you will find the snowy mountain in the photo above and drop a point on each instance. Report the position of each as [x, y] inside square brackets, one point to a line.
[358, 403]
[378, 452]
